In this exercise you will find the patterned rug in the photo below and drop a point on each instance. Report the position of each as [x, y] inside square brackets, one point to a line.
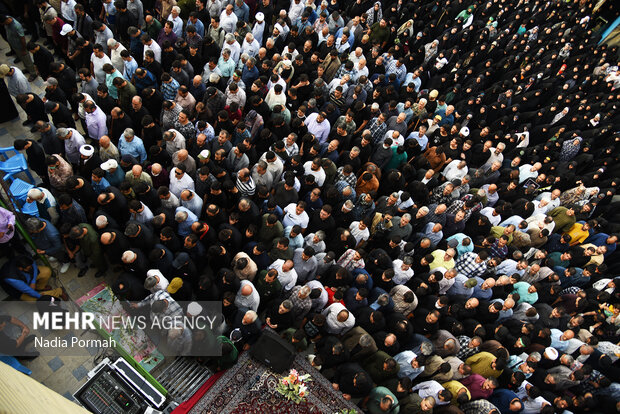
[249, 388]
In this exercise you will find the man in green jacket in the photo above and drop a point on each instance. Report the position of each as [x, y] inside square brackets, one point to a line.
[89, 248]
[381, 400]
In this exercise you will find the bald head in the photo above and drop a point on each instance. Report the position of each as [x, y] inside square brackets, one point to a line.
[155, 168]
[106, 238]
[104, 141]
[182, 155]
[246, 290]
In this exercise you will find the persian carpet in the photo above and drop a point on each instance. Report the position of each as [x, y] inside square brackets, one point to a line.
[249, 388]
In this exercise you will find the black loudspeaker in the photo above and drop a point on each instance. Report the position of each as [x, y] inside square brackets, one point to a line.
[273, 351]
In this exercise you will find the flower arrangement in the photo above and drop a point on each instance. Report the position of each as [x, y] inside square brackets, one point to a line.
[293, 387]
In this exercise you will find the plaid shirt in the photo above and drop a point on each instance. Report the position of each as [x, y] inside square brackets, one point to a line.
[467, 265]
[478, 407]
[438, 197]
[300, 306]
[377, 130]
[458, 205]
[343, 71]
[400, 72]
[173, 310]
[497, 251]
[464, 351]
[169, 89]
[351, 179]
[347, 261]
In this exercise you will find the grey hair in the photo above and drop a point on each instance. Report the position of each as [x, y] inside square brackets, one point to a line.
[252, 315]
[129, 132]
[305, 290]
[365, 340]
[320, 234]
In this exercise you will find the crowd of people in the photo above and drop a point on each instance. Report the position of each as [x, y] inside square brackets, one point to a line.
[421, 195]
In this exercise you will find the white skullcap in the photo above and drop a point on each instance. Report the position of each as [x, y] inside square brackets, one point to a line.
[87, 150]
[194, 309]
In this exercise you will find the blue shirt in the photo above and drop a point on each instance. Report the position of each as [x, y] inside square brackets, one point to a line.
[200, 28]
[100, 186]
[130, 69]
[422, 140]
[169, 89]
[460, 249]
[243, 12]
[249, 75]
[24, 286]
[48, 239]
[404, 361]
[135, 148]
[185, 228]
[115, 178]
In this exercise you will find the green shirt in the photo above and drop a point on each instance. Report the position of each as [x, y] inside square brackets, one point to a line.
[267, 291]
[378, 33]
[374, 401]
[153, 29]
[227, 361]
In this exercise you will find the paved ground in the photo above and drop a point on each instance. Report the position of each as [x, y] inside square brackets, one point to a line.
[63, 373]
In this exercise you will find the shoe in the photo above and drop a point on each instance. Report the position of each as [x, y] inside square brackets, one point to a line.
[64, 267]
[64, 295]
[32, 77]
[11, 53]
[26, 123]
[83, 271]
[100, 273]
[17, 60]
[34, 129]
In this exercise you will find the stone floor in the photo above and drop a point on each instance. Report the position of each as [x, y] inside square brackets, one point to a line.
[63, 373]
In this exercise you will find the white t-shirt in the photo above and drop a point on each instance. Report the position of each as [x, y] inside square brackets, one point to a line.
[98, 67]
[319, 176]
[291, 218]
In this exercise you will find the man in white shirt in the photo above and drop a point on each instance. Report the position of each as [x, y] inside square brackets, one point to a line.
[250, 45]
[359, 231]
[430, 388]
[228, 19]
[73, 142]
[402, 270]
[150, 44]
[494, 217]
[115, 54]
[295, 214]
[456, 169]
[529, 171]
[287, 275]
[177, 21]
[314, 168]
[247, 296]
[97, 60]
[296, 9]
[180, 181]
[496, 155]
[230, 43]
[338, 320]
